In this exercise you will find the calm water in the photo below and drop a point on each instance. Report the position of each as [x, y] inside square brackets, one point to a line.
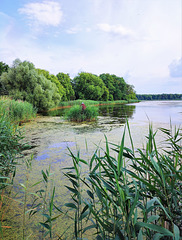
[51, 136]
[155, 111]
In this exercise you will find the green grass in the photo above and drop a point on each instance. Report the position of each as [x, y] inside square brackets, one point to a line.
[16, 111]
[76, 114]
[92, 102]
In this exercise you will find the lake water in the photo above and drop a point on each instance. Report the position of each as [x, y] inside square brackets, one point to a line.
[51, 136]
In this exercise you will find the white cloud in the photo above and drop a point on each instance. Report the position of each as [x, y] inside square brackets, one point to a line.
[43, 13]
[116, 30]
[74, 30]
[175, 68]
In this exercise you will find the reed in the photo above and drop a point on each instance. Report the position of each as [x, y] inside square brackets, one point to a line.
[10, 149]
[76, 114]
[16, 111]
[134, 195]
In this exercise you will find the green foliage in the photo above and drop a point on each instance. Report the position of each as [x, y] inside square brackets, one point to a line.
[17, 111]
[54, 80]
[3, 67]
[159, 96]
[23, 82]
[76, 114]
[118, 88]
[90, 86]
[134, 195]
[10, 149]
[65, 80]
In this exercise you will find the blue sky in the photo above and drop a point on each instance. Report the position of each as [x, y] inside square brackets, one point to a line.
[140, 40]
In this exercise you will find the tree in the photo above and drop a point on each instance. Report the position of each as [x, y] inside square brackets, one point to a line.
[109, 83]
[53, 79]
[118, 88]
[22, 81]
[3, 67]
[131, 94]
[65, 80]
[90, 86]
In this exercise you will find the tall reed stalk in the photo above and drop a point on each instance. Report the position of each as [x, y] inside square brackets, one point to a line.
[134, 195]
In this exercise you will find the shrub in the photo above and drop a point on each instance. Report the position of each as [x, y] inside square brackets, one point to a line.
[76, 114]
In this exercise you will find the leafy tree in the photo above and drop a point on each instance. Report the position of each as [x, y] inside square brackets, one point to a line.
[65, 80]
[131, 94]
[90, 86]
[22, 81]
[3, 67]
[109, 82]
[54, 79]
[118, 88]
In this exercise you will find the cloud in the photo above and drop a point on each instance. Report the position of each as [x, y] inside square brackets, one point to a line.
[74, 30]
[115, 30]
[47, 13]
[175, 68]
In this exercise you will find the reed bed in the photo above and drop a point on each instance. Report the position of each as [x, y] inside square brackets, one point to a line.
[137, 195]
[17, 111]
[76, 114]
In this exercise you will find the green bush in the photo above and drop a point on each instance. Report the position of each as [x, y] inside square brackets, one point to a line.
[76, 114]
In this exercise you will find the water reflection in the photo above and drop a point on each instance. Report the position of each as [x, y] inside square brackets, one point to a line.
[119, 111]
[116, 112]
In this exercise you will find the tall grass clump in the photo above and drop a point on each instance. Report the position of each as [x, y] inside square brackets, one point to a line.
[17, 111]
[10, 148]
[76, 114]
[135, 195]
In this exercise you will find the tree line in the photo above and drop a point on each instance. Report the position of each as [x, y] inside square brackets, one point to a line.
[44, 90]
[162, 96]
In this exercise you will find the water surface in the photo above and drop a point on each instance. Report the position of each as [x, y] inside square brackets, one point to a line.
[52, 136]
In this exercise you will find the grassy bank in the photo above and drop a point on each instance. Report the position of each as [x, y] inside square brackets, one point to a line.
[12, 113]
[16, 111]
[92, 102]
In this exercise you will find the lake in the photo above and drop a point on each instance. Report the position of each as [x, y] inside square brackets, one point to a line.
[51, 136]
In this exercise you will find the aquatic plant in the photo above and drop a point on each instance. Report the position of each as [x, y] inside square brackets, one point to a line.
[76, 114]
[134, 195]
[10, 149]
[17, 111]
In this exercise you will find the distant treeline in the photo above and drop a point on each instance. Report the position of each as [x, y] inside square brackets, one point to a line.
[163, 96]
[44, 90]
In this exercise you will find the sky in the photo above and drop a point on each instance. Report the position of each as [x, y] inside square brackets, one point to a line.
[139, 40]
